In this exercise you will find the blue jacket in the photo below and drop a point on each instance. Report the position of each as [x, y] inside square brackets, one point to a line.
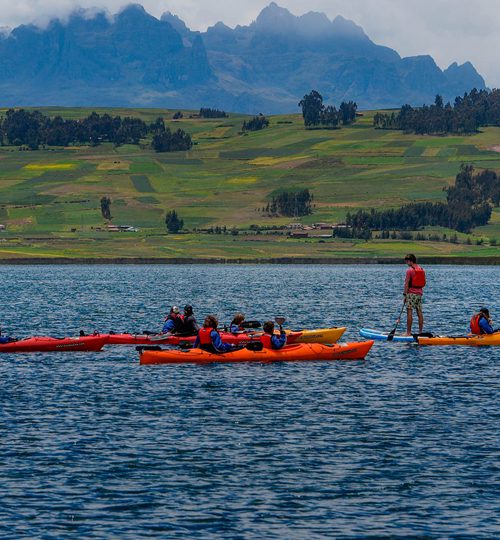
[279, 341]
[169, 326]
[235, 329]
[217, 342]
[485, 326]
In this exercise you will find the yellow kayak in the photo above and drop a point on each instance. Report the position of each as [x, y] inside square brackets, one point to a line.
[320, 335]
[473, 340]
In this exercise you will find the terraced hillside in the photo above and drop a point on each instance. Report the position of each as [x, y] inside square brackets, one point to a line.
[50, 199]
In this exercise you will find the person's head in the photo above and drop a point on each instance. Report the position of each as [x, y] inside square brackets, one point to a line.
[238, 318]
[410, 259]
[268, 327]
[211, 322]
[485, 312]
[174, 310]
[188, 310]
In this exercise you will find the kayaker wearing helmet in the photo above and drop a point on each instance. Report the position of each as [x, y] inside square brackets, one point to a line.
[235, 326]
[481, 323]
[269, 339]
[209, 339]
[413, 291]
[190, 327]
[173, 322]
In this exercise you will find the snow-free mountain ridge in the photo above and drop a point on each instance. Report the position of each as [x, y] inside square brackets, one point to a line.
[135, 59]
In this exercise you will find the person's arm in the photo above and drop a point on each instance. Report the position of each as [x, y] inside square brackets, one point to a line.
[194, 324]
[279, 341]
[217, 342]
[407, 281]
[235, 329]
[485, 326]
[169, 326]
[196, 342]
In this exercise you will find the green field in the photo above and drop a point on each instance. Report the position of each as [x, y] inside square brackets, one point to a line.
[49, 199]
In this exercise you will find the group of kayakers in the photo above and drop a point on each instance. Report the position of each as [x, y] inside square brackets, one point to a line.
[208, 337]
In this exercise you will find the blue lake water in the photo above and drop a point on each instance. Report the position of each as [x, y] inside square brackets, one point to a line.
[93, 445]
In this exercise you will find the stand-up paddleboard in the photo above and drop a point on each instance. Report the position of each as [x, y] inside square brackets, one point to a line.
[383, 336]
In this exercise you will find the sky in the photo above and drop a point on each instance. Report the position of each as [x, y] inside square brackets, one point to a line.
[448, 30]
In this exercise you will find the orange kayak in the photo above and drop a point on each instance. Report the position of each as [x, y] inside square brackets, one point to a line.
[52, 344]
[300, 352]
[472, 340]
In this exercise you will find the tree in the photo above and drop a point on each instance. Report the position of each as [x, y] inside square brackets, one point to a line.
[173, 222]
[256, 123]
[312, 107]
[168, 141]
[347, 112]
[106, 208]
[330, 117]
[206, 112]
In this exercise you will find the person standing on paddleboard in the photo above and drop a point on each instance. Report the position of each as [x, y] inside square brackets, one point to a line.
[413, 292]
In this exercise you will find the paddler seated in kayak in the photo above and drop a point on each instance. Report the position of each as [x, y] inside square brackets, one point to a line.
[189, 326]
[481, 323]
[236, 324]
[269, 339]
[174, 322]
[6, 339]
[209, 338]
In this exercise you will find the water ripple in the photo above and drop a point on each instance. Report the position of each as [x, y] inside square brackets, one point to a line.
[404, 444]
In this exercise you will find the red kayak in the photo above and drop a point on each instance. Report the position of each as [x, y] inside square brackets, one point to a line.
[299, 352]
[163, 339]
[52, 344]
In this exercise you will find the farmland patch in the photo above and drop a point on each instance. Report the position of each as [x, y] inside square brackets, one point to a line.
[141, 183]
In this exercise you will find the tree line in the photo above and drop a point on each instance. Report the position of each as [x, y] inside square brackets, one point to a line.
[467, 114]
[315, 113]
[34, 129]
[256, 123]
[468, 204]
[206, 112]
[290, 203]
[166, 140]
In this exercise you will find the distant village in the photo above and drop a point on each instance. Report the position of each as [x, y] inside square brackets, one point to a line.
[298, 230]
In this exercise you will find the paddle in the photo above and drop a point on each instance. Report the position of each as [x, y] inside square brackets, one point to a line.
[280, 321]
[141, 348]
[391, 334]
[251, 324]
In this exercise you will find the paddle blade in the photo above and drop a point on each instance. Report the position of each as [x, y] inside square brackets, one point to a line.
[255, 346]
[251, 324]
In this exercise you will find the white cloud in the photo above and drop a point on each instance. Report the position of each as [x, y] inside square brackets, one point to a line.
[448, 30]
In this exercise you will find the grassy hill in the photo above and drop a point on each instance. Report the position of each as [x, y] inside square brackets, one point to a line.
[49, 199]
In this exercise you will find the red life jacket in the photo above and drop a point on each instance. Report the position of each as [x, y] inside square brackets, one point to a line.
[474, 324]
[204, 336]
[418, 278]
[178, 322]
[265, 339]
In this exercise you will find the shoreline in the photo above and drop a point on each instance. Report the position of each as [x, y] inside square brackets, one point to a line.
[452, 260]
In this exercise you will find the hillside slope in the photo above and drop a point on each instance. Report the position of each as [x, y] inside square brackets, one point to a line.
[50, 199]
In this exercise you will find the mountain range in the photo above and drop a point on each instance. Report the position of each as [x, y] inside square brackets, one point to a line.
[134, 59]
